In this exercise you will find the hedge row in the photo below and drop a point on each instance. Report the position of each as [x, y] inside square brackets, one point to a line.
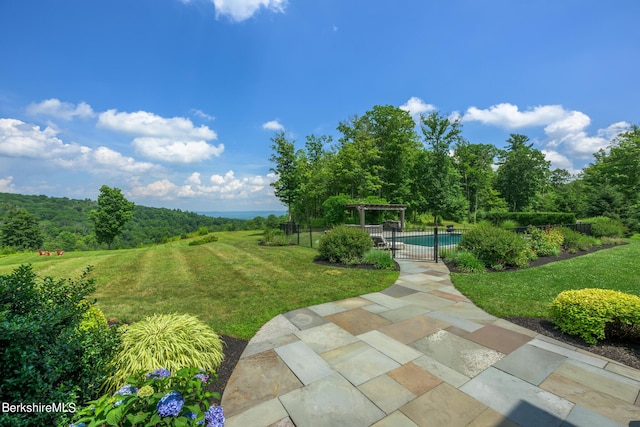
[531, 218]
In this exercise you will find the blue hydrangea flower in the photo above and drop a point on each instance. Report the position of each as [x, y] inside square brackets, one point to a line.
[214, 417]
[125, 390]
[170, 404]
[159, 374]
[78, 425]
[202, 377]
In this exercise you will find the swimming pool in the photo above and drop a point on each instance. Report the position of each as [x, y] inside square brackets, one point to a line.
[444, 239]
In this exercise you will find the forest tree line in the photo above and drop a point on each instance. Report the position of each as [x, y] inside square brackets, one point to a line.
[379, 157]
[63, 223]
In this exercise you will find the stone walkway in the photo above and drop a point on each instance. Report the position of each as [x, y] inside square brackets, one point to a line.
[420, 354]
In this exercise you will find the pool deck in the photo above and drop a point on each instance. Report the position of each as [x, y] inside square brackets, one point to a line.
[419, 353]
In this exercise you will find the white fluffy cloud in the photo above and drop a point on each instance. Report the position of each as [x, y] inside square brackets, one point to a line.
[226, 186]
[174, 140]
[115, 161]
[26, 141]
[508, 116]
[6, 185]
[62, 110]
[23, 140]
[240, 10]
[566, 130]
[273, 125]
[416, 106]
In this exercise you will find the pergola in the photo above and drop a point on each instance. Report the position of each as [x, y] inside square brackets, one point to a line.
[363, 207]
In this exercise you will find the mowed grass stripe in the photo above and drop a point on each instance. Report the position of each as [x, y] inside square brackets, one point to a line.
[234, 285]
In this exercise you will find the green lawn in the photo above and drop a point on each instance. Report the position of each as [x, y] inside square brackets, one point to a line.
[234, 284]
[528, 292]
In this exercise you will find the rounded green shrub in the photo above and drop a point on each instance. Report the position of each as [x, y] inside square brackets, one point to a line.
[93, 318]
[494, 245]
[596, 314]
[170, 341]
[346, 245]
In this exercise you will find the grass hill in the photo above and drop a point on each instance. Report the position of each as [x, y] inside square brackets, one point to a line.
[234, 284]
[66, 225]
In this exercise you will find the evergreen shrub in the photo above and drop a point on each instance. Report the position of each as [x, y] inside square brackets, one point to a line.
[346, 245]
[596, 314]
[54, 347]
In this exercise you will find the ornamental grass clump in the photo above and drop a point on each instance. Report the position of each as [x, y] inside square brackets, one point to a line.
[596, 314]
[174, 341]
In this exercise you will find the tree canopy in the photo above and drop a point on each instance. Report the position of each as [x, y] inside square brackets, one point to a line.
[113, 212]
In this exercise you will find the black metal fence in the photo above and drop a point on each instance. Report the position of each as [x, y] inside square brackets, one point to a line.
[425, 243]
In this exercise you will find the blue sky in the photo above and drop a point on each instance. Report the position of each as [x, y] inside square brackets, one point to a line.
[175, 101]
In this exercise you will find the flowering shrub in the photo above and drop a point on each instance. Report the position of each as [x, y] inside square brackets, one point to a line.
[545, 242]
[158, 398]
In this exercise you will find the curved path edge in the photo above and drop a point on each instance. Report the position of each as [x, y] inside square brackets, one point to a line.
[419, 353]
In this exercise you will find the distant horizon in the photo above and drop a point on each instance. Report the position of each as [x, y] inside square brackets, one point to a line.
[240, 214]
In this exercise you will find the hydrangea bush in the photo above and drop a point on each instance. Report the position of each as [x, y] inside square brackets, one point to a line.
[158, 398]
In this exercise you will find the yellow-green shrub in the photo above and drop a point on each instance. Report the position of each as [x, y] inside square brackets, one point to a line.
[93, 318]
[594, 314]
[168, 341]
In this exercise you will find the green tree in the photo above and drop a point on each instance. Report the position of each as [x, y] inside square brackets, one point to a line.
[614, 179]
[356, 165]
[287, 187]
[20, 230]
[112, 214]
[314, 175]
[522, 172]
[388, 145]
[474, 162]
[439, 179]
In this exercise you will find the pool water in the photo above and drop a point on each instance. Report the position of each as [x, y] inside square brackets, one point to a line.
[444, 239]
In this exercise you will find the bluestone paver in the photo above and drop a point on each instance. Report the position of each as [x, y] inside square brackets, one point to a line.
[420, 354]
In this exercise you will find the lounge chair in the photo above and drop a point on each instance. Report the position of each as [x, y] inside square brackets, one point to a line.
[379, 242]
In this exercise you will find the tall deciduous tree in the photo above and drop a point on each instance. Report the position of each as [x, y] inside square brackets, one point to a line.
[474, 162]
[439, 180]
[393, 133]
[287, 187]
[20, 230]
[113, 212]
[522, 172]
[356, 165]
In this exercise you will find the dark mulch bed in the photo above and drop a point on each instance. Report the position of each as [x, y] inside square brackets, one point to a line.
[233, 348]
[626, 353]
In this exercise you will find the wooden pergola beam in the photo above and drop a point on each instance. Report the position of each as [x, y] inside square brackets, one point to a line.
[363, 207]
